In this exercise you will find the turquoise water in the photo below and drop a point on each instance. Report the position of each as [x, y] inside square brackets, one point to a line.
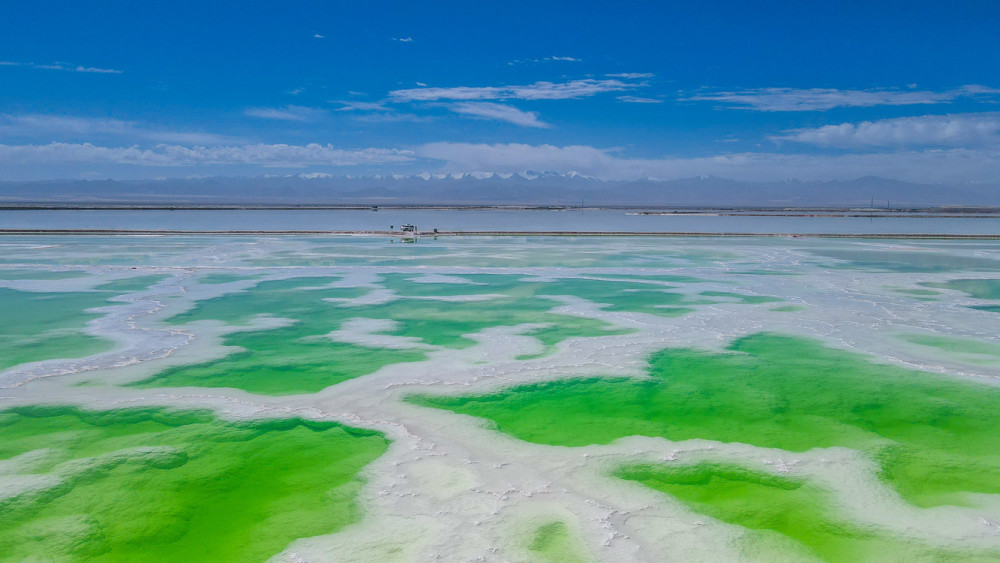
[485, 220]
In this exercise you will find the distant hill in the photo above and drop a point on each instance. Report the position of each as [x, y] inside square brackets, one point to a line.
[528, 189]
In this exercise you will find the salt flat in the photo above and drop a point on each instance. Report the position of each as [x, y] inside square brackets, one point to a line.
[500, 399]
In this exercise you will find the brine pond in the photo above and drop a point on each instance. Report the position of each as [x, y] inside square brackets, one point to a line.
[499, 219]
[522, 398]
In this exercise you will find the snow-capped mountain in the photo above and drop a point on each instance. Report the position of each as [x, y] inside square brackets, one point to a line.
[527, 188]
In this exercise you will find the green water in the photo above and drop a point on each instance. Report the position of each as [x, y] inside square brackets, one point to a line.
[788, 309]
[621, 293]
[16, 274]
[298, 359]
[906, 261]
[212, 279]
[570, 327]
[933, 438]
[554, 543]
[918, 294]
[133, 284]
[980, 289]
[965, 349]
[43, 326]
[632, 293]
[742, 297]
[213, 491]
[767, 273]
[658, 278]
[293, 359]
[280, 362]
[36, 326]
[785, 518]
[513, 252]
[435, 322]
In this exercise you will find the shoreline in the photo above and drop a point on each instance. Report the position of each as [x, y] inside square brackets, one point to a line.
[432, 234]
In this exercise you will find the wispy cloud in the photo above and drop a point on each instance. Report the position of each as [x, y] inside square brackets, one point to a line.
[403, 39]
[639, 100]
[631, 75]
[953, 165]
[545, 60]
[175, 155]
[392, 117]
[286, 113]
[36, 125]
[925, 166]
[376, 112]
[928, 130]
[318, 36]
[96, 70]
[818, 99]
[352, 105]
[537, 91]
[499, 112]
[64, 67]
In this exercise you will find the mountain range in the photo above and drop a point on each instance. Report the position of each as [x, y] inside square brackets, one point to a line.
[525, 189]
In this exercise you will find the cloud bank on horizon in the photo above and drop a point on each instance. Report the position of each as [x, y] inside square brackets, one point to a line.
[720, 89]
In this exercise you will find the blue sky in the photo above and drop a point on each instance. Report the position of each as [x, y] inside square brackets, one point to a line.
[746, 90]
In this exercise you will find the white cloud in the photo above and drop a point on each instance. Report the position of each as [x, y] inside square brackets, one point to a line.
[954, 165]
[537, 91]
[928, 130]
[817, 99]
[35, 125]
[318, 36]
[48, 124]
[96, 70]
[287, 113]
[175, 155]
[376, 112]
[631, 75]
[499, 112]
[638, 100]
[925, 166]
[545, 60]
[64, 66]
[350, 105]
[403, 39]
[457, 93]
[392, 117]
